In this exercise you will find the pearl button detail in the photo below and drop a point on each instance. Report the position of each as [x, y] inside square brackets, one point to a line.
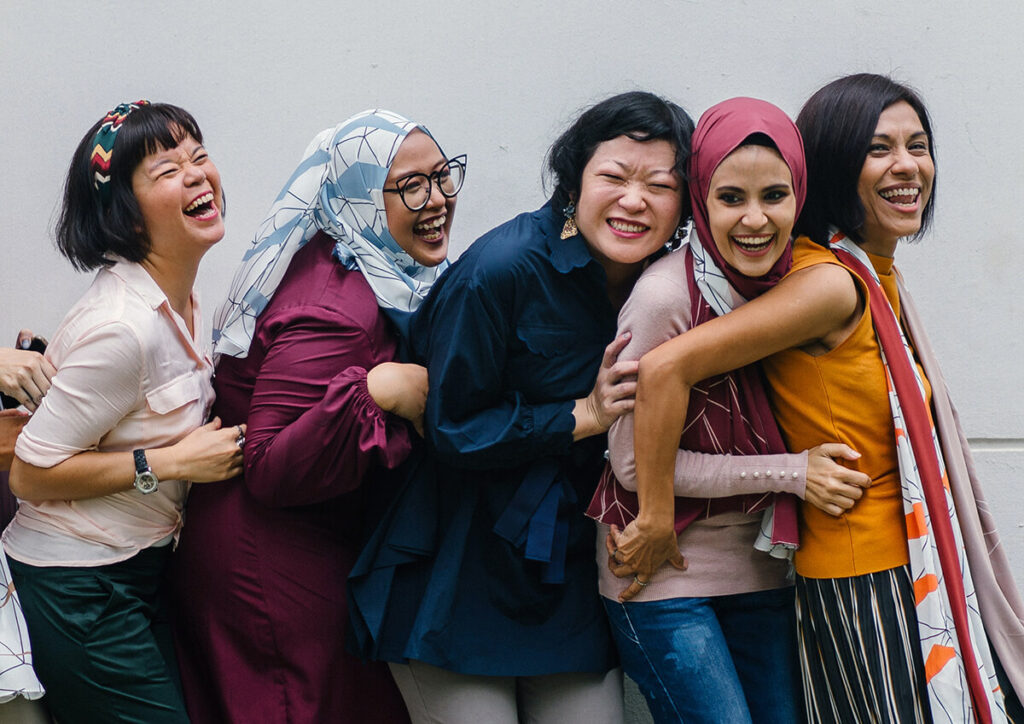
[796, 476]
[743, 476]
[757, 475]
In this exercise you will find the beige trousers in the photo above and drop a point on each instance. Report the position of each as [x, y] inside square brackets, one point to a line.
[438, 696]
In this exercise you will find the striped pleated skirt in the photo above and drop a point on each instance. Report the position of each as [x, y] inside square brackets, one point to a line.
[859, 649]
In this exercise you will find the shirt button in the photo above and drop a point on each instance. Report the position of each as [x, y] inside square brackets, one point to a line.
[796, 476]
[757, 475]
[743, 476]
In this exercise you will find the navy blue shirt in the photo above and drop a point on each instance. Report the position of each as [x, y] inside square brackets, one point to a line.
[512, 335]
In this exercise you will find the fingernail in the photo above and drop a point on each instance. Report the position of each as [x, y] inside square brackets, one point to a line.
[24, 343]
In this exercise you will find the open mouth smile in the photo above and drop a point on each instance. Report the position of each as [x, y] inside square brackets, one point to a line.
[627, 228]
[904, 196]
[202, 207]
[432, 229]
[752, 245]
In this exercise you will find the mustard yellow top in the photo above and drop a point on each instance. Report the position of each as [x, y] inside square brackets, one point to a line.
[842, 396]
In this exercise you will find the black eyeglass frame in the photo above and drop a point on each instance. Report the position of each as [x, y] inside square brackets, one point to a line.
[401, 183]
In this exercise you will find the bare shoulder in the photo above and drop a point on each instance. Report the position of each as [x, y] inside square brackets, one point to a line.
[830, 300]
[828, 287]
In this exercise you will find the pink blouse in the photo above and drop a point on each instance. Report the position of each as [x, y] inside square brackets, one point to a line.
[129, 375]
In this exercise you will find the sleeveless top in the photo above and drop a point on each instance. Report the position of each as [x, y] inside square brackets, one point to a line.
[842, 396]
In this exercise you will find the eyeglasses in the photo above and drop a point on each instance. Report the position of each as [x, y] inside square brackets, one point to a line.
[415, 189]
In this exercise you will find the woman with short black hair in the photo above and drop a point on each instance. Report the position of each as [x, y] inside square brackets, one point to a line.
[481, 588]
[103, 467]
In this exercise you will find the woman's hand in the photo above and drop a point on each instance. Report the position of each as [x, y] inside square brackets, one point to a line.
[25, 375]
[638, 551]
[400, 389]
[614, 392]
[832, 487]
[207, 454]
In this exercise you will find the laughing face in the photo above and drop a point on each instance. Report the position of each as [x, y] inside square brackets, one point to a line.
[896, 179]
[179, 195]
[630, 200]
[422, 234]
[751, 209]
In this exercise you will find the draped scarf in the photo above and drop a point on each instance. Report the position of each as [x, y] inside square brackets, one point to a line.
[338, 189]
[959, 670]
[728, 413]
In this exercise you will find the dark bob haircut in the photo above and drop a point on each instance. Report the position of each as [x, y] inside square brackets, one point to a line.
[89, 232]
[638, 115]
[837, 124]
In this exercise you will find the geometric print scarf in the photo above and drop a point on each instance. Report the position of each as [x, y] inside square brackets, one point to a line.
[338, 189]
[959, 671]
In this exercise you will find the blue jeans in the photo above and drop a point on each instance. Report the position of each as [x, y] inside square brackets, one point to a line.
[720, 660]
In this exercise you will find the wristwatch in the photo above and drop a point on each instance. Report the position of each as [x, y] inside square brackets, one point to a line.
[145, 481]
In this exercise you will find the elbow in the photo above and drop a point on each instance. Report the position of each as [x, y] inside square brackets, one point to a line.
[660, 375]
[20, 482]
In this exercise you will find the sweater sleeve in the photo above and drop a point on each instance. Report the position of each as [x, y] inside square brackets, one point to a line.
[314, 431]
[658, 310]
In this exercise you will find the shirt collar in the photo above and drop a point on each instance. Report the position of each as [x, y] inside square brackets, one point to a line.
[139, 281]
[565, 254]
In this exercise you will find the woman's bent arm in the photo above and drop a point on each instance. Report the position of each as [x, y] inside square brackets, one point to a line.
[314, 428]
[809, 305]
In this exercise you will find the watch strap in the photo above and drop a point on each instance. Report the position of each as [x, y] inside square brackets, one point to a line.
[141, 464]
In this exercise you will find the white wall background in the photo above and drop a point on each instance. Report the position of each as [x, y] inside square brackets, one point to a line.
[499, 81]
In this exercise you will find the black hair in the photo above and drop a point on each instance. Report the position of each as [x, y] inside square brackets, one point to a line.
[90, 230]
[837, 124]
[638, 115]
[759, 139]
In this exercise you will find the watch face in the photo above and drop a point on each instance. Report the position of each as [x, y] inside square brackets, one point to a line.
[146, 482]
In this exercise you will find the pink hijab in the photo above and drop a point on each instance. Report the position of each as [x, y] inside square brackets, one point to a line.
[720, 131]
[730, 413]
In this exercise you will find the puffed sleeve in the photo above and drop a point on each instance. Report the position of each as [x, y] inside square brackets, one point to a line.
[314, 431]
[472, 419]
[657, 310]
[98, 382]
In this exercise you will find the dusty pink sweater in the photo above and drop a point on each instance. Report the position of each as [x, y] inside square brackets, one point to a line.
[720, 550]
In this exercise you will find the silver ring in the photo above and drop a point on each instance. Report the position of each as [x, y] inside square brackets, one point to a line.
[615, 556]
[642, 584]
[240, 442]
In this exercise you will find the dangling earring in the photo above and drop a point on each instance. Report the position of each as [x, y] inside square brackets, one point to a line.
[569, 230]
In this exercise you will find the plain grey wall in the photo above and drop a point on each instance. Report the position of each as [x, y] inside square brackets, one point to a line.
[499, 81]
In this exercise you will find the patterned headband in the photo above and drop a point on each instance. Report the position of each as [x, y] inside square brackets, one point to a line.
[103, 147]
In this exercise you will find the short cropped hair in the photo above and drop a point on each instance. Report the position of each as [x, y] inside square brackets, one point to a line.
[837, 124]
[90, 231]
[638, 115]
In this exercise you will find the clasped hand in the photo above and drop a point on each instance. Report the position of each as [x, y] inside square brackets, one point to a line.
[639, 551]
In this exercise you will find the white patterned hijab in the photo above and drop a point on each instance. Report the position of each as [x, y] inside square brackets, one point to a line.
[336, 189]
